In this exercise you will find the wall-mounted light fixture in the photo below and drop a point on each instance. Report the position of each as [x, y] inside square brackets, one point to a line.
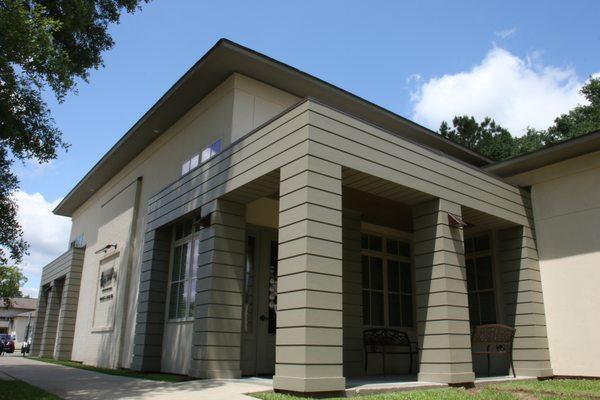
[106, 248]
[203, 222]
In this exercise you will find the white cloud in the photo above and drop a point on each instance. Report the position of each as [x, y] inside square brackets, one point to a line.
[516, 92]
[46, 233]
[506, 33]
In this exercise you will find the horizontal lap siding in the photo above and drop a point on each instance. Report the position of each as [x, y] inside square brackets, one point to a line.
[352, 295]
[61, 265]
[523, 300]
[243, 163]
[349, 142]
[339, 138]
[68, 307]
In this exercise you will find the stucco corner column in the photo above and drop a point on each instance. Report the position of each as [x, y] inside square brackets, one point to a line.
[216, 345]
[309, 302]
[442, 301]
[524, 301]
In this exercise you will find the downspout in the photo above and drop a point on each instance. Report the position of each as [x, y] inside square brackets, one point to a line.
[129, 265]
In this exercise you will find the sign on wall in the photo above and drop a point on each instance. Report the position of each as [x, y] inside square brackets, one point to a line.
[104, 310]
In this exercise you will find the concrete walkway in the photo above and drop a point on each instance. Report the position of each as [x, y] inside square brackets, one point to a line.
[75, 383]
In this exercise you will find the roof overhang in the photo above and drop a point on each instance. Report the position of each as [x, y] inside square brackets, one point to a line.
[222, 60]
[562, 151]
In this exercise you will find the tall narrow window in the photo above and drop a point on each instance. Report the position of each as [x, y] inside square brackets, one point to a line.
[480, 280]
[386, 282]
[184, 269]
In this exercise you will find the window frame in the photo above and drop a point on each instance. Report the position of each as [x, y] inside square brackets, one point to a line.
[196, 160]
[193, 239]
[385, 234]
[491, 253]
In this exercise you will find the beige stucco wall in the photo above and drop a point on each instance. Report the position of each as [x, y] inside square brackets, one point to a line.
[234, 108]
[566, 204]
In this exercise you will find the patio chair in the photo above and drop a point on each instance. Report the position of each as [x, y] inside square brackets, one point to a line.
[388, 341]
[497, 339]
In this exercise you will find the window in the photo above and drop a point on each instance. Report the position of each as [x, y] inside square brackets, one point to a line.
[211, 151]
[386, 282]
[480, 280]
[78, 241]
[206, 154]
[184, 270]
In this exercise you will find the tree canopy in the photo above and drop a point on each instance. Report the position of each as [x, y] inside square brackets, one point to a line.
[11, 279]
[45, 45]
[496, 143]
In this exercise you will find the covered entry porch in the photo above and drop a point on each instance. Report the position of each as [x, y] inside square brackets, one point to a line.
[349, 199]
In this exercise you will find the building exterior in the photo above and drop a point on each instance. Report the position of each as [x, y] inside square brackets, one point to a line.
[257, 219]
[565, 192]
[17, 320]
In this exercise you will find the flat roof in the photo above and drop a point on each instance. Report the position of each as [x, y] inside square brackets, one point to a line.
[222, 60]
[558, 152]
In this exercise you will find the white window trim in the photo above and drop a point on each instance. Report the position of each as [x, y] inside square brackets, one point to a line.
[191, 239]
[492, 253]
[391, 233]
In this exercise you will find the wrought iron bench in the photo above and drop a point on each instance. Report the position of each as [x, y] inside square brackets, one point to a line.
[388, 341]
[497, 339]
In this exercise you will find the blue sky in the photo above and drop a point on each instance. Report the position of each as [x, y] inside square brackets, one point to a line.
[521, 62]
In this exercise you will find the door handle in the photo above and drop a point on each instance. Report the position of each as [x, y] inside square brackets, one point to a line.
[262, 318]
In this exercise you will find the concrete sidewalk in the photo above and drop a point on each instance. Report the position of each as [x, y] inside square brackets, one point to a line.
[75, 383]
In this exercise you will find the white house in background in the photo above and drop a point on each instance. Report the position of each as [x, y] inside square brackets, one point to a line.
[18, 320]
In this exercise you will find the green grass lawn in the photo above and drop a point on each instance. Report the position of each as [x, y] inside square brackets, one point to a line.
[119, 372]
[18, 390]
[559, 389]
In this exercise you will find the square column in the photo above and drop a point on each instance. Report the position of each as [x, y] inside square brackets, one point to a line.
[524, 301]
[68, 314]
[51, 320]
[442, 301]
[309, 336]
[216, 348]
[38, 330]
[150, 321]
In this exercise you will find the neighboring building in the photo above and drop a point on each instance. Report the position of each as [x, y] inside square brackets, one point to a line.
[18, 319]
[257, 219]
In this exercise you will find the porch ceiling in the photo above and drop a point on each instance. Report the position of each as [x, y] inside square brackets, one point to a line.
[382, 188]
[265, 186]
[481, 222]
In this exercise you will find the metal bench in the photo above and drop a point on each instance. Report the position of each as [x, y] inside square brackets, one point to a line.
[382, 341]
[497, 339]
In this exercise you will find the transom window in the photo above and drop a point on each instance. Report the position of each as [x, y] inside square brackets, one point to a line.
[206, 154]
[386, 281]
[480, 280]
[184, 269]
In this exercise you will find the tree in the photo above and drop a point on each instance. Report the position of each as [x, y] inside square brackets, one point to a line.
[496, 143]
[44, 45]
[11, 279]
[580, 120]
[486, 138]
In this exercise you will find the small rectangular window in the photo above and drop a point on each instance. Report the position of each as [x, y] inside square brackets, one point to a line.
[206, 154]
[194, 161]
[211, 151]
[185, 167]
